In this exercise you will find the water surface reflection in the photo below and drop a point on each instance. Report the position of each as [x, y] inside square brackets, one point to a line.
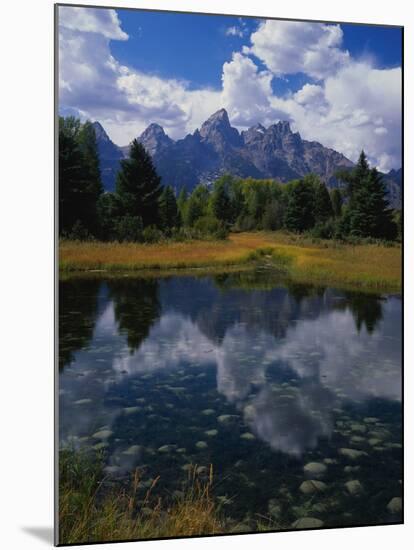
[257, 379]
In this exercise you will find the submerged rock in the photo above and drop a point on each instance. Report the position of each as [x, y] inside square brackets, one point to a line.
[82, 401]
[353, 454]
[102, 434]
[357, 439]
[274, 508]
[248, 436]
[307, 523]
[371, 420]
[379, 434]
[208, 412]
[395, 505]
[133, 450]
[360, 428]
[211, 433]
[201, 445]
[226, 418]
[166, 448]
[354, 487]
[315, 468]
[312, 486]
[131, 410]
[100, 446]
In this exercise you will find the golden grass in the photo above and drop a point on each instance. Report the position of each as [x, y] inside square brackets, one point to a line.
[326, 262]
[88, 513]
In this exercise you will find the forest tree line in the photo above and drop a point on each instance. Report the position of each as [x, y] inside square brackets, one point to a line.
[141, 209]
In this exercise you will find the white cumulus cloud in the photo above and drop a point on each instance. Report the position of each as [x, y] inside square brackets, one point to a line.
[357, 108]
[288, 47]
[246, 91]
[100, 21]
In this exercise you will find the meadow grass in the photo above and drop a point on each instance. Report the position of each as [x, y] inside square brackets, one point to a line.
[371, 266]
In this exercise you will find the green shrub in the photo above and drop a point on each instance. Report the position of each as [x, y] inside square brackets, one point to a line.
[324, 230]
[129, 229]
[152, 235]
[211, 226]
[79, 232]
[245, 223]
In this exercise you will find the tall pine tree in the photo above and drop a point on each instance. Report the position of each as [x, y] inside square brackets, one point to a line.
[323, 206]
[138, 186]
[79, 177]
[220, 202]
[336, 200]
[369, 211]
[169, 214]
[299, 215]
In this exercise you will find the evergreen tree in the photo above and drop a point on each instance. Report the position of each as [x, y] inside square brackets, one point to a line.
[70, 173]
[351, 178]
[182, 204]
[89, 148]
[169, 214]
[323, 206]
[220, 202]
[369, 212]
[79, 177]
[108, 211]
[336, 200]
[138, 186]
[299, 215]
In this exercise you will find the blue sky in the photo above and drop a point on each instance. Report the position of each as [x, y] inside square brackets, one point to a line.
[192, 37]
[338, 84]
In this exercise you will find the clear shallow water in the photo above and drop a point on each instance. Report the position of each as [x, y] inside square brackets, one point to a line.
[257, 378]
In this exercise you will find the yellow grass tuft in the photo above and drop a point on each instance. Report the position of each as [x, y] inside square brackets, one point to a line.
[90, 513]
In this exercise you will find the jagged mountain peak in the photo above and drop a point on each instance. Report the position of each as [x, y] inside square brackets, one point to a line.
[100, 131]
[282, 128]
[258, 128]
[220, 115]
[153, 129]
[154, 139]
[218, 131]
[217, 121]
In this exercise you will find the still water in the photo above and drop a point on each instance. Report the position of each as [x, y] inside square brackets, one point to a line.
[274, 384]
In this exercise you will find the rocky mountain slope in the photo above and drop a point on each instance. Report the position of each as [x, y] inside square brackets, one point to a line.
[217, 148]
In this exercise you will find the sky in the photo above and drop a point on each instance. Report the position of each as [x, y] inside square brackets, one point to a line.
[339, 84]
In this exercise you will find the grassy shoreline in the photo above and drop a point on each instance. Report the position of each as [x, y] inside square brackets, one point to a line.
[362, 266]
[94, 508]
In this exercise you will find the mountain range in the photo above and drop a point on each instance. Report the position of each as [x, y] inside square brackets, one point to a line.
[217, 148]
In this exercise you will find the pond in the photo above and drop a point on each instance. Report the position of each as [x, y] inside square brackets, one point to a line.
[291, 392]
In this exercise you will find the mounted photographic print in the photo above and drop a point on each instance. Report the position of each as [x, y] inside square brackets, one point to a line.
[229, 217]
